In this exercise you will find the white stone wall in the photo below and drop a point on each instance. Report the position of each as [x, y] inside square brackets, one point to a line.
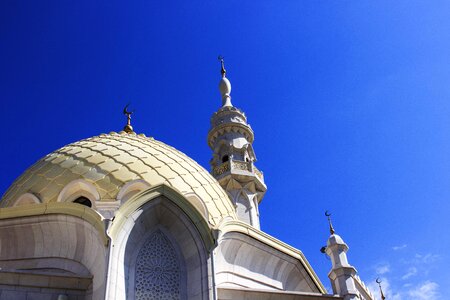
[243, 262]
[51, 254]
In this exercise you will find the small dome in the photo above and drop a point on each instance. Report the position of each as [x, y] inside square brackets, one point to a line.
[109, 161]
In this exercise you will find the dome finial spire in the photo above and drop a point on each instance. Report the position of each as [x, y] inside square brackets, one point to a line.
[381, 290]
[128, 128]
[327, 214]
[224, 85]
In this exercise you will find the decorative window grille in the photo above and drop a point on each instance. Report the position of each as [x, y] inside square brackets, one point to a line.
[158, 272]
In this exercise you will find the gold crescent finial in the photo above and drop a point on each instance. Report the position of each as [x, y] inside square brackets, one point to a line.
[128, 128]
[222, 71]
[327, 214]
[381, 290]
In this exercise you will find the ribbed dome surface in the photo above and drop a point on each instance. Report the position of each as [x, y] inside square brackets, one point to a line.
[108, 161]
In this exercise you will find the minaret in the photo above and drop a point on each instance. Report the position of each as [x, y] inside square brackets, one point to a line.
[342, 273]
[230, 138]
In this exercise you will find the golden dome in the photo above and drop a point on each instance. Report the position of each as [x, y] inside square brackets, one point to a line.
[109, 161]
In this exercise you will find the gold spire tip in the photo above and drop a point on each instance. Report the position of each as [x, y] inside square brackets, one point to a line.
[222, 71]
[128, 128]
[328, 215]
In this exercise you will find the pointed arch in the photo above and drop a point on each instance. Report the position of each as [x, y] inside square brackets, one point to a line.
[159, 208]
[26, 199]
[140, 199]
[131, 188]
[79, 188]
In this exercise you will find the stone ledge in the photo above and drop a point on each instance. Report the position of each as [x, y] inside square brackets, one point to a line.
[253, 294]
[45, 280]
[59, 208]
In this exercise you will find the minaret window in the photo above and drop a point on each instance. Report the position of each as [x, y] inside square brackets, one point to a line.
[225, 158]
[83, 201]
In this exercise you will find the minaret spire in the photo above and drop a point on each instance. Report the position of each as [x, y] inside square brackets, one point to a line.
[329, 222]
[224, 85]
[381, 290]
[222, 71]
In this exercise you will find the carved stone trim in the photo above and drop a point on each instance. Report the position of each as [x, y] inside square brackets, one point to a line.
[237, 165]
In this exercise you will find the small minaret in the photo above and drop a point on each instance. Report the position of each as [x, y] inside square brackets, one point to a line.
[230, 138]
[342, 273]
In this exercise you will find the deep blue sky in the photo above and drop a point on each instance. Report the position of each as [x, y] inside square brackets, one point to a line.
[349, 101]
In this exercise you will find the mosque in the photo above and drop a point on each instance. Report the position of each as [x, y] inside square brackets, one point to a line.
[124, 216]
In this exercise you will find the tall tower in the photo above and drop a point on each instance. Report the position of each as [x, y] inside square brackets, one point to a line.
[230, 138]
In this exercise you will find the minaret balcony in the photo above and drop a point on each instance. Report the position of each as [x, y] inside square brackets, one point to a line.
[237, 166]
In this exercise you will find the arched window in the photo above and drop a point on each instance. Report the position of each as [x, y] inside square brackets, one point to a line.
[83, 201]
[225, 158]
[27, 198]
